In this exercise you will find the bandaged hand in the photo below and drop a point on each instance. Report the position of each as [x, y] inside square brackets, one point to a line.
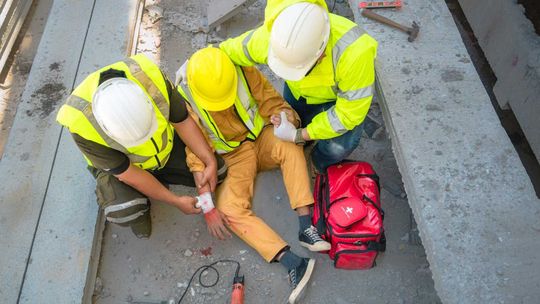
[215, 220]
[283, 128]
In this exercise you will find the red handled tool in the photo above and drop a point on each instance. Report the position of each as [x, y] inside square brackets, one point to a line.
[237, 295]
[379, 4]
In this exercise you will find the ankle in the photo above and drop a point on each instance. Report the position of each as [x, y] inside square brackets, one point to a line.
[304, 222]
[290, 260]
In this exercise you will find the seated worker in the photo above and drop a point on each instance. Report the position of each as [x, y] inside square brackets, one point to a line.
[234, 106]
[327, 62]
[123, 119]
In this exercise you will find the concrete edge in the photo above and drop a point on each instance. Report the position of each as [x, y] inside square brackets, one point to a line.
[95, 256]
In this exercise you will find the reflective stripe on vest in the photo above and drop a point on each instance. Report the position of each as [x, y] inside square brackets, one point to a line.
[245, 45]
[337, 51]
[335, 123]
[153, 157]
[244, 105]
[149, 85]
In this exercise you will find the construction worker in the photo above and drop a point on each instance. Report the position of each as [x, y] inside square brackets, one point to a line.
[328, 64]
[123, 119]
[236, 107]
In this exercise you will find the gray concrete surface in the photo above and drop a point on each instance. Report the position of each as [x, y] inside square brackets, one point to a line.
[474, 204]
[512, 48]
[219, 11]
[47, 225]
[29, 153]
[18, 67]
[157, 269]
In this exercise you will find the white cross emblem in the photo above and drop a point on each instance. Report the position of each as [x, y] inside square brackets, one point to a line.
[349, 210]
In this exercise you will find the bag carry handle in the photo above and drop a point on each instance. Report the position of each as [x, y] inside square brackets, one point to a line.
[321, 222]
[374, 177]
[373, 245]
[375, 205]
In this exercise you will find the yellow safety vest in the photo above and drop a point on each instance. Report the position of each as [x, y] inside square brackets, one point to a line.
[76, 114]
[345, 75]
[245, 106]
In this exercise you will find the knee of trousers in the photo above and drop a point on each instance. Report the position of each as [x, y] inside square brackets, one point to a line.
[125, 213]
[332, 149]
[234, 211]
[285, 148]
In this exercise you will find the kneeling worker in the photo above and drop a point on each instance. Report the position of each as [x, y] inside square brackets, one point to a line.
[123, 119]
[235, 106]
[327, 62]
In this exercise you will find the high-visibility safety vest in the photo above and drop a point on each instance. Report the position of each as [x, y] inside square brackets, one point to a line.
[345, 75]
[245, 107]
[76, 114]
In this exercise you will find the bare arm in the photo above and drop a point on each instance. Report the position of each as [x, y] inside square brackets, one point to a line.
[191, 135]
[148, 185]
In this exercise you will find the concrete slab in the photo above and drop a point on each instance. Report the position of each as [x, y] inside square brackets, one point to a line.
[219, 11]
[29, 153]
[512, 47]
[474, 204]
[12, 16]
[63, 249]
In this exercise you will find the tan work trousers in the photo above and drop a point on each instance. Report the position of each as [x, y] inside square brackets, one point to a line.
[234, 195]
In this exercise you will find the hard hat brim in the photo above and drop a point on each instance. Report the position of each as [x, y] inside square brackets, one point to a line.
[285, 71]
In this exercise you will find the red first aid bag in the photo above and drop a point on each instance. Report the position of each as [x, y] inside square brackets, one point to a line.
[348, 214]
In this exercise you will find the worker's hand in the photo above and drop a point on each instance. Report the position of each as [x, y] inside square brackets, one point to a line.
[186, 204]
[216, 221]
[283, 128]
[209, 176]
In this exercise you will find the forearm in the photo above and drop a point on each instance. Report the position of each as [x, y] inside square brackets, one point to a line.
[198, 176]
[192, 136]
[344, 116]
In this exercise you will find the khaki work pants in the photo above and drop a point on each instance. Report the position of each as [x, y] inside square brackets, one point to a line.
[233, 197]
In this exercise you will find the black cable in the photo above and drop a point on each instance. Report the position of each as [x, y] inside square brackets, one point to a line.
[204, 268]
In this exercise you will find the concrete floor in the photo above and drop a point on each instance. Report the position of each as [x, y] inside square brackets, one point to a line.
[18, 66]
[158, 269]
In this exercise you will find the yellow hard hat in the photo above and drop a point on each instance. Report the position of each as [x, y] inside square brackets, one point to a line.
[212, 79]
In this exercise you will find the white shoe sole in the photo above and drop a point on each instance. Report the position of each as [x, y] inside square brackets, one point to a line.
[319, 246]
[297, 293]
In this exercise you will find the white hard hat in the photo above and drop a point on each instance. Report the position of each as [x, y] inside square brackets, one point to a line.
[298, 38]
[124, 112]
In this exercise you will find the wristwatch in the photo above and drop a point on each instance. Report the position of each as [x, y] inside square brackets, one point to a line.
[299, 139]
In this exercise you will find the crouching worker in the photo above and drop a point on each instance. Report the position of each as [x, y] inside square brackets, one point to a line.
[234, 106]
[123, 118]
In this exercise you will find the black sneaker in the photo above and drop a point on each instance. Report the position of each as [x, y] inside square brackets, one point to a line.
[299, 278]
[311, 239]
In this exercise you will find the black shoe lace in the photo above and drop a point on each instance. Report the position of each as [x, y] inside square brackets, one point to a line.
[313, 234]
[292, 278]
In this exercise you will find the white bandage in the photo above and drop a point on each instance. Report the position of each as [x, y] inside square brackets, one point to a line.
[286, 130]
[204, 201]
